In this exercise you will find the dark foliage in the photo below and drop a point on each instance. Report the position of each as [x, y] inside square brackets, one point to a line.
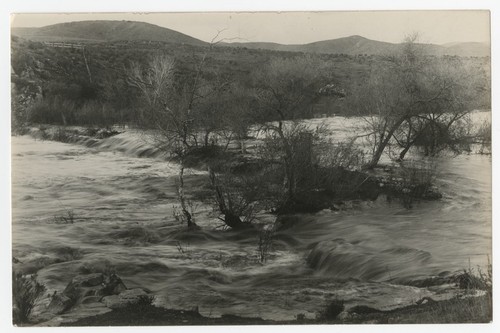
[25, 292]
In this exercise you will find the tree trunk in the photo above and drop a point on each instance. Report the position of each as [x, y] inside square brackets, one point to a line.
[63, 118]
[206, 138]
[189, 218]
[403, 152]
[87, 65]
[381, 147]
[242, 146]
[289, 164]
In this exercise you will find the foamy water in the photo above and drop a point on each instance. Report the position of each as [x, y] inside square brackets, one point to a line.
[123, 221]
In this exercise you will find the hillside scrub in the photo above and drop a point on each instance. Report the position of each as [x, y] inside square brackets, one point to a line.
[42, 72]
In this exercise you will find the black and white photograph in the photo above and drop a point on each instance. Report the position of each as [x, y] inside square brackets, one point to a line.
[251, 168]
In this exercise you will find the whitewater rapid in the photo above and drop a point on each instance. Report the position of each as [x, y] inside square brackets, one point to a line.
[123, 221]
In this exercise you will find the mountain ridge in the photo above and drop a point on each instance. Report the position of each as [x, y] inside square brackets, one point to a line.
[108, 31]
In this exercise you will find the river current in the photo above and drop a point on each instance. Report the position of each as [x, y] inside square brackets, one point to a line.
[123, 221]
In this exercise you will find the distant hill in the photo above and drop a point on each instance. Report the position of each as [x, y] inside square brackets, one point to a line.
[105, 31]
[467, 49]
[350, 45]
[355, 45]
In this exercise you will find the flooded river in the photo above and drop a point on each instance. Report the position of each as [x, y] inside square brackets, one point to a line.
[121, 207]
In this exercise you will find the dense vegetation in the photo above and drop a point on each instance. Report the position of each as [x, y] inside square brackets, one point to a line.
[197, 100]
[92, 82]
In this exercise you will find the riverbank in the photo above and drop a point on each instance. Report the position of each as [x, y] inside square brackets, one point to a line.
[458, 310]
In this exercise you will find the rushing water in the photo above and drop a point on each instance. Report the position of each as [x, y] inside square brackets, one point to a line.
[123, 221]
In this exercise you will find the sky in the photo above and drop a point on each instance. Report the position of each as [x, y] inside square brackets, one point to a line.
[433, 26]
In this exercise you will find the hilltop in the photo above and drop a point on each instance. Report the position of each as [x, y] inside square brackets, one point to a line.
[105, 31]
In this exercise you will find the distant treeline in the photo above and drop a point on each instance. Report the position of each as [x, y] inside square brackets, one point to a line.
[88, 85]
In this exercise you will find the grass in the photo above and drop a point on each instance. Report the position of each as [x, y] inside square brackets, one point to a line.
[25, 292]
[457, 310]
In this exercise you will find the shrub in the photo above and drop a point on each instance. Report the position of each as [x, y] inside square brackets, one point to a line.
[53, 111]
[483, 135]
[471, 279]
[25, 292]
[183, 249]
[234, 197]
[415, 181]
[179, 214]
[340, 155]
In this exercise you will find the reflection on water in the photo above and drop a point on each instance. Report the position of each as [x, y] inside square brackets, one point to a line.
[123, 221]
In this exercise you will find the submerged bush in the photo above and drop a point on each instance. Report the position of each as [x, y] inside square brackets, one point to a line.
[413, 181]
[67, 218]
[25, 292]
[235, 197]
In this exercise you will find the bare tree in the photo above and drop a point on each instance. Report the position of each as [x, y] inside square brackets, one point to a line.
[154, 81]
[412, 96]
[287, 88]
[240, 113]
[169, 114]
[175, 102]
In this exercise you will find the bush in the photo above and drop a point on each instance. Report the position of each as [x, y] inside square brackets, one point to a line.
[483, 135]
[53, 111]
[341, 155]
[416, 181]
[25, 292]
[471, 279]
[233, 198]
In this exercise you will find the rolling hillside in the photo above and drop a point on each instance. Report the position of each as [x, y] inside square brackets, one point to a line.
[105, 31]
[354, 45]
